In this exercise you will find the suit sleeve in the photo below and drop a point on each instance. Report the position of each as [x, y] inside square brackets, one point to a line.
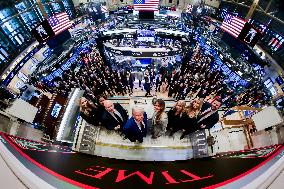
[211, 120]
[107, 122]
[128, 131]
[85, 117]
[125, 128]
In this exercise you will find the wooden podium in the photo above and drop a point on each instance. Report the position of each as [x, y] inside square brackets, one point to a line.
[241, 122]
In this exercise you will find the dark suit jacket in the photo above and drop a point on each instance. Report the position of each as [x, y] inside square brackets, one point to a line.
[110, 122]
[211, 120]
[92, 117]
[132, 131]
[174, 121]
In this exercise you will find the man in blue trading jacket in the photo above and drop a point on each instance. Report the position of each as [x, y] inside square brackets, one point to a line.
[136, 127]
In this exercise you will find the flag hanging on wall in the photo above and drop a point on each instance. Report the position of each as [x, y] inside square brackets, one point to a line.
[189, 8]
[104, 9]
[59, 22]
[233, 25]
[146, 5]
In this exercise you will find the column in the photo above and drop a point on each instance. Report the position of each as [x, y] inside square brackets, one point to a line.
[252, 8]
[40, 5]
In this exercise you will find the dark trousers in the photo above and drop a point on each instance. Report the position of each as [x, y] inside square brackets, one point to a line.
[147, 87]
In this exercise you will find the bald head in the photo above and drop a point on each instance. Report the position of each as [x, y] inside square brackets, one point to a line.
[109, 106]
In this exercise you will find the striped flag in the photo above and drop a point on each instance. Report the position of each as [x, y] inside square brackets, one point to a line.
[59, 22]
[189, 8]
[146, 5]
[104, 9]
[233, 25]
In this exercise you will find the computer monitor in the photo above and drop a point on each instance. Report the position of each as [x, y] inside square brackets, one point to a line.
[43, 31]
[250, 35]
[279, 80]
[55, 110]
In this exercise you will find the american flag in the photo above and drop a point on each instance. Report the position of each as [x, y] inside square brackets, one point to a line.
[59, 22]
[233, 25]
[148, 5]
[189, 8]
[104, 9]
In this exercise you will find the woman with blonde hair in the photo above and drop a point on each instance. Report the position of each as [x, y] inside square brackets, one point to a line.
[89, 111]
[174, 117]
[159, 119]
[189, 118]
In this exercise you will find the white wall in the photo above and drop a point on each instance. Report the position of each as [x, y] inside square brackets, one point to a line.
[23, 110]
[267, 118]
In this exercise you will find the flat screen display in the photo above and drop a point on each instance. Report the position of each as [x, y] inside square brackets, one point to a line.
[279, 80]
[23, 77]
[55, 110]
[144, 60]
[146, 35]
[250, 35]
[268, 83]
[43, 31]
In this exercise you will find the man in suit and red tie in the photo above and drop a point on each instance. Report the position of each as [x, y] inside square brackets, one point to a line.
[135, 128]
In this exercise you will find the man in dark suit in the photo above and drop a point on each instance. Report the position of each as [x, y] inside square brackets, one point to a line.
[115, 116]
[136, 127]
[147, 85]
[159, 82]
[209, 113]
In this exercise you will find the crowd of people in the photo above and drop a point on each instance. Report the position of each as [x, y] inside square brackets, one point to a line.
[193, 79]
[93, 76]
